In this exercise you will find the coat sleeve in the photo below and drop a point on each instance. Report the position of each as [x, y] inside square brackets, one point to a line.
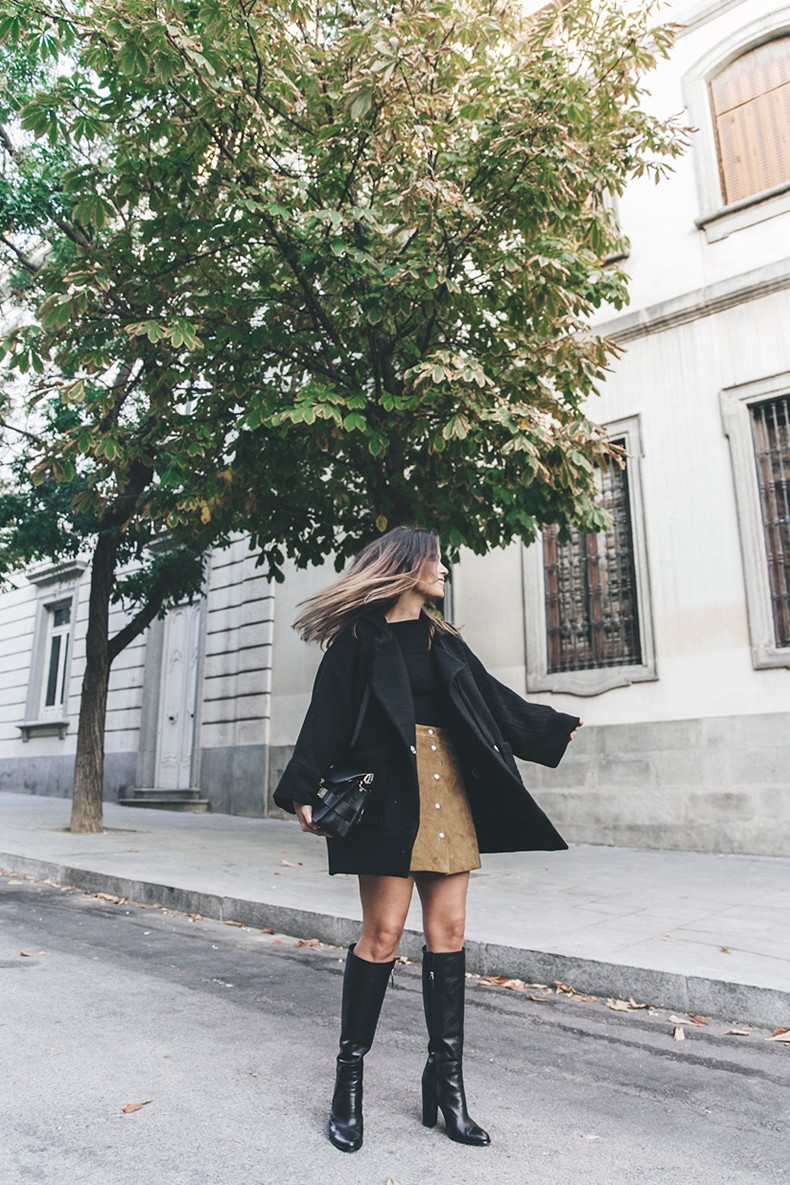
[326, 731]
[535, 732]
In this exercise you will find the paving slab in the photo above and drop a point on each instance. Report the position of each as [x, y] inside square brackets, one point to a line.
[692, 931]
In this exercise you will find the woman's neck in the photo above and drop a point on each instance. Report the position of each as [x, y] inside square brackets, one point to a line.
[406, 608]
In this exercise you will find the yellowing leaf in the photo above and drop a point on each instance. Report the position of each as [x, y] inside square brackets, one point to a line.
[127, 1110]
[780, 1035]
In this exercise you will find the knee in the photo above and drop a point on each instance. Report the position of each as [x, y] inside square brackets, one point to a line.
[381, 943]
[446, 934]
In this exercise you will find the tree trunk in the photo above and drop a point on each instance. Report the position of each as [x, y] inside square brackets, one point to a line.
[86, 805]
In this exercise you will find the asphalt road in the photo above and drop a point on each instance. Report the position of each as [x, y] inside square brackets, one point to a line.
[230, 1033]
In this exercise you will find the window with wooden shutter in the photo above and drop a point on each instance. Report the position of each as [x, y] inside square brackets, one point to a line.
[750, 99]
[592, 616]
[771, 434]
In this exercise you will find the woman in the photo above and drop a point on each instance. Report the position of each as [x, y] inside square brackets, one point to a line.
[439, 734]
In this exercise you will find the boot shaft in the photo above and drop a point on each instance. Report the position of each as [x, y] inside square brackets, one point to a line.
[364, 987]
[444, 991]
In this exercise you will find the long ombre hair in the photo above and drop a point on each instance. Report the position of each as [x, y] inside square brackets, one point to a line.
[383, 571]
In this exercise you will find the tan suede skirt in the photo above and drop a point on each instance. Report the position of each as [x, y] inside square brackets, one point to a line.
[446, 841]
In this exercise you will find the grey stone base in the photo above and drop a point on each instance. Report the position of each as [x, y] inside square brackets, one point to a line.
[720, 784]
[233, 778]
[279, 756]
[54, 776]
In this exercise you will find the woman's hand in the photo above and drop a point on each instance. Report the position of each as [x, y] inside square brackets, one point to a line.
[304, 813]
[576, 729]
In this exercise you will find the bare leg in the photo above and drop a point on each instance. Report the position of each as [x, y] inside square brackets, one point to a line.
[385, 903]
[443, 901]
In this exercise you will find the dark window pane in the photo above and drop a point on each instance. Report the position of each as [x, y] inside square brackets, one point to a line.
[61, 615]
[771, 431]
[592, 615]
[65, 668]
[52, 674]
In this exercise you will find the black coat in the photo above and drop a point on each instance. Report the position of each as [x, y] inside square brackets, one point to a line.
[489, 723]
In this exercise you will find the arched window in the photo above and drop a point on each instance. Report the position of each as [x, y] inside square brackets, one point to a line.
[751, 112]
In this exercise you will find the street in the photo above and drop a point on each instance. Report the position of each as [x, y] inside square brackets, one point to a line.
[228, 1035]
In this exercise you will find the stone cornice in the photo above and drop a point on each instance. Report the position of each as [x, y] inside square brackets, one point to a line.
[701, 302]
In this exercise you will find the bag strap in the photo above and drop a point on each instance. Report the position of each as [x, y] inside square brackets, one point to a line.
[361, 690]
[362, 709]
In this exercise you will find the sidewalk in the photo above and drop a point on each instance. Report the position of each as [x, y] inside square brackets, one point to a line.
[695, 932]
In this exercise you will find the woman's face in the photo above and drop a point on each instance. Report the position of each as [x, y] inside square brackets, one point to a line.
[432, 584]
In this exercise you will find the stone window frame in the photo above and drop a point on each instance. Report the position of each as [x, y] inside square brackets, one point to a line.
[57, 584]
[736, 403]
[716, 219]
[600, 679]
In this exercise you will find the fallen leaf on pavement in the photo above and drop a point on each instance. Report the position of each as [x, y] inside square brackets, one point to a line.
[677, 1020]
[537, 999]
[133, 849]
[697, 1020]
[515, 985]
[307, 942]
[678, 1033]
[738, 1033]
[266, 930]
[403, 960]
[277, 942]
[725, 950]
[624, 1005]
[391, 1181]
[127, 1110]
[669, 938]
[589, 1136]
[780, 1035]
[194, 917]
[563, 987]
[31, 954]
[288, 863]
[111, 897]
[230, 922]
[543, 987]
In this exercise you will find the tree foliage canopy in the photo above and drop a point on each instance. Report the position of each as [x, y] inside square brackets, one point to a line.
[312, 269]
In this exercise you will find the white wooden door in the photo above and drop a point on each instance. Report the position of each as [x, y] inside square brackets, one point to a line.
[177, 698]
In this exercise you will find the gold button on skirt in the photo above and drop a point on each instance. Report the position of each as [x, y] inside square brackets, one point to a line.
[446, 840]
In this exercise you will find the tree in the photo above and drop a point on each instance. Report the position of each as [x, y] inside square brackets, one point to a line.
[316, 269]
[123, 443]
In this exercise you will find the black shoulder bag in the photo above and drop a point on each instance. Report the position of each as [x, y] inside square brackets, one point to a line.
[344, 790]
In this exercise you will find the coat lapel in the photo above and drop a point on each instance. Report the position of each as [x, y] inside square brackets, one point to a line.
[389, 683]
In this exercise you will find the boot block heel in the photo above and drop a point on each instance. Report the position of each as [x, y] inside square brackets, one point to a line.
[430, 1105]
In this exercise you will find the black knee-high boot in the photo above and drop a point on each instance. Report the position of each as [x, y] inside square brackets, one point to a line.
[443, 989]
[364, 985]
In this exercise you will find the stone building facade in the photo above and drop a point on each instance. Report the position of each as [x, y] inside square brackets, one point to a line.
[670, 634]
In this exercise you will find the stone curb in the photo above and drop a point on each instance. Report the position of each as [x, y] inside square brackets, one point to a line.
[741, 1002]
